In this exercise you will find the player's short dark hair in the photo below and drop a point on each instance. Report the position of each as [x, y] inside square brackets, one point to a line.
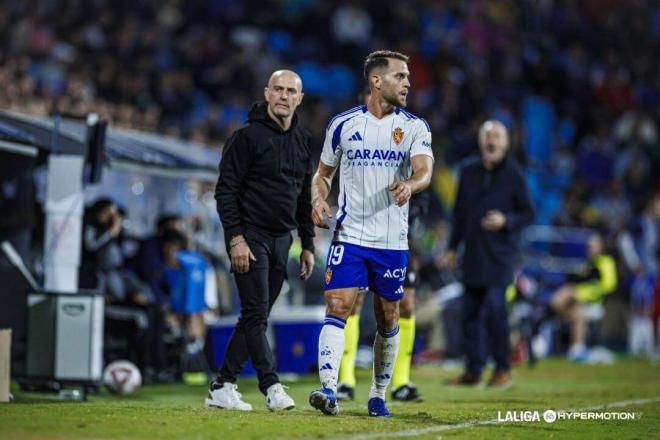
[380, 58]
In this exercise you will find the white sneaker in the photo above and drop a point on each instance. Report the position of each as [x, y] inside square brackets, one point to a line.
[277, 398]
[226, 397]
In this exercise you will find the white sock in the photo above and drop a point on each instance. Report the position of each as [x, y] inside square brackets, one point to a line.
[331, 348]
[386, 347]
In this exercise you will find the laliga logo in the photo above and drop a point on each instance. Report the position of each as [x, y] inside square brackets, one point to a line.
[396, 273]
[550, 416]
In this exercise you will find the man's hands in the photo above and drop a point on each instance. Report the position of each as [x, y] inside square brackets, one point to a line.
[494, 220]
[240, 254]
[320, 207]
[306, 264]
[401, 191]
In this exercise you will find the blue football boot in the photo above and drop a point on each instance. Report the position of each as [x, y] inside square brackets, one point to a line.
[325, 401]
[378, 408]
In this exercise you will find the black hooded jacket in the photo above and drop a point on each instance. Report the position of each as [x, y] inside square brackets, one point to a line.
[489, 257]
[265, 179]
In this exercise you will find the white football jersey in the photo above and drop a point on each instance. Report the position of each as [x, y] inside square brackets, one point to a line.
[372, 154]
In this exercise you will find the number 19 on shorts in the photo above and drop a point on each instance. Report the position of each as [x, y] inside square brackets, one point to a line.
[335, 255]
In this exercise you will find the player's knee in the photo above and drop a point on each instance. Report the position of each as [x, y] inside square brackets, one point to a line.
[338, 307]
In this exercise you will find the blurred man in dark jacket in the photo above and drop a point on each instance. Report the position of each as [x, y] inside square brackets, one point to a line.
[263, 193]
[130, 310]
[492, 206]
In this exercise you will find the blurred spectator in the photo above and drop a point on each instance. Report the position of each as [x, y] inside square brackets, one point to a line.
[492, 207]
[596, 279]
[128, 299]
[103, 261]
[185, 279]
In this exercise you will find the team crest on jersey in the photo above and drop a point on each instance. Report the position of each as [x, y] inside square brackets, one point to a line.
[328, 275]
[397, 135]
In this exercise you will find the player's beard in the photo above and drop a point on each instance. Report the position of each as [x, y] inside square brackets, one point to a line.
[394, 100]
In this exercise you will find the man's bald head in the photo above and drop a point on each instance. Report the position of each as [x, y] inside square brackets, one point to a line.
[283, 94]
[491, 124]
[493, 142]
[285, 75]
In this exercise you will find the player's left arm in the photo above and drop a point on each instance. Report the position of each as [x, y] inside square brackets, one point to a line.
[421, 179]
[421, 158]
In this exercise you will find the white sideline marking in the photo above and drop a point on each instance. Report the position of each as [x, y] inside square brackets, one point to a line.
[440, 428]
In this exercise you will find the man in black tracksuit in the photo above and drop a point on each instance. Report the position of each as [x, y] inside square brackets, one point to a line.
[492, 206]
[263, 193]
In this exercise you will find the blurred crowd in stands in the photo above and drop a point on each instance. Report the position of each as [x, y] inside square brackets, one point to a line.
[576, 83]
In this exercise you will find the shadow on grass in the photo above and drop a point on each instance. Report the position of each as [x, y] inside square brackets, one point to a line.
[415, 418]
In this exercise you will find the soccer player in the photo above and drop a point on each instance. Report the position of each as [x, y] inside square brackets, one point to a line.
[385, 156]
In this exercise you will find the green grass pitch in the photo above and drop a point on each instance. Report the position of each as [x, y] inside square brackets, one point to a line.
[177, 412]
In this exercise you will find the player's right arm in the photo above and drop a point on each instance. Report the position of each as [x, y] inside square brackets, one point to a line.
[322, 180]
[321, 184]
